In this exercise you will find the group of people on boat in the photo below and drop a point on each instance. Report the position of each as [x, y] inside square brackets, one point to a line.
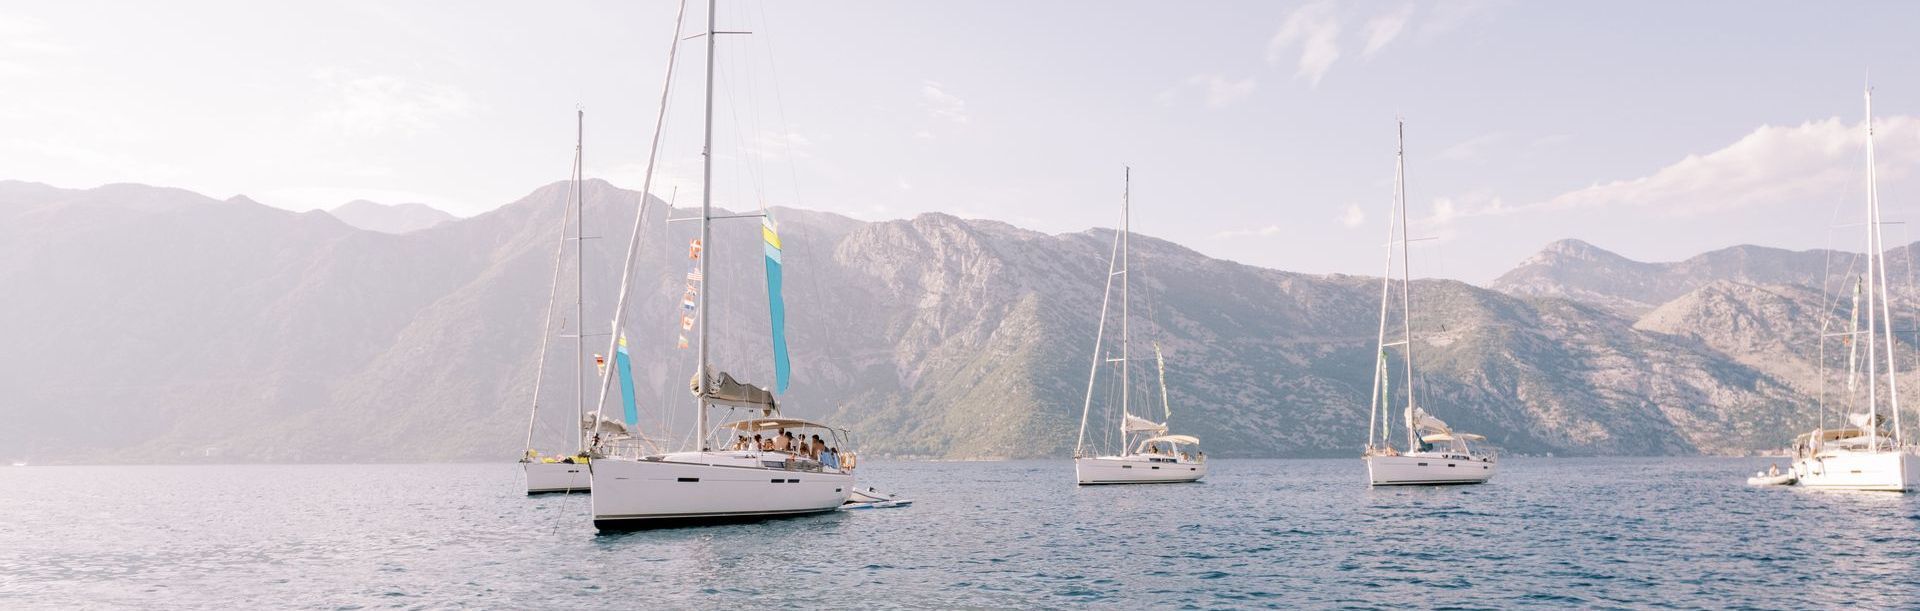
[1154, 449]
[803, 446]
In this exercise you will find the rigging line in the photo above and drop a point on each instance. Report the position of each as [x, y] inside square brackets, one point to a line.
[1829, 300]
[553, 294]
[745, 158]
[744, 64]
[780, 104]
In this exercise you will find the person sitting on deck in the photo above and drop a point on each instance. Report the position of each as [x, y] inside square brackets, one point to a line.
[761, 443]
[780, 442]
[803, 449]
[818, 446]
[827, 458]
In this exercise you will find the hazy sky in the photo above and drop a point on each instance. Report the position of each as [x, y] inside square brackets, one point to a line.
[1258, 131]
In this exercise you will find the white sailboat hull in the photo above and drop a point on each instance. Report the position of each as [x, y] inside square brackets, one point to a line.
[1884, 471]
[704, 487]
[1136, 469]
[545, 477]
[1423, 468]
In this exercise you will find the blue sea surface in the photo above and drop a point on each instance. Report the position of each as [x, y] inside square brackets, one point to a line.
[1670, 532]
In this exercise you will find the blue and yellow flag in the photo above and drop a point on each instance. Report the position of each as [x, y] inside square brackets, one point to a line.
[776, 306]
[624, 364]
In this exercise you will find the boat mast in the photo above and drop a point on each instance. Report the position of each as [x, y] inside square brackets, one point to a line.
[1377, 404]
[1406, 277]
[1886, 314]
[1126, 276]
[553, 294]
[639, 221]
[580, 277]
[1100, 333]
[706, 232]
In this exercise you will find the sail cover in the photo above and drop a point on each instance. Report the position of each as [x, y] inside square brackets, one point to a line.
[1425, 421]
[1863, 420]
[1136, 424]
[776, 306]
[725, 390]
[612, 429]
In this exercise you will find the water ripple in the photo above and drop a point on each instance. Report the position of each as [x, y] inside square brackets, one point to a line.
[1549, 533]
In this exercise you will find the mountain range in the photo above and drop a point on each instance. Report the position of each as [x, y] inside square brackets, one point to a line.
[149, 324]
[389, 218]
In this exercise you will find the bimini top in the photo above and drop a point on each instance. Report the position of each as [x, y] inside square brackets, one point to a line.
[1831, 434]
[1452, 436]
[1186, 439]
[771, 424]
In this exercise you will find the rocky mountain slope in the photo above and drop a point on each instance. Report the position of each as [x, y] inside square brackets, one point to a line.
[1774, 311]
[1583, 272]
[154, 324]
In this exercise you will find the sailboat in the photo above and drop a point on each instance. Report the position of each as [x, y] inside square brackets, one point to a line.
[1863, 454]
[564, 473]
[758, 471]
[1148, 454]
[1434, 452]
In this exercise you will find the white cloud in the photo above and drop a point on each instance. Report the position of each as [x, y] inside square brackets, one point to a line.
[1218, 91]
[40, 47]
[1443, 211]
[1383, 29]
[1314, 36]
[943, 105]
[903, 184]
[1817, 160]
[1451, 14]
[1472, 149]
[367, 106]
[780, 145]
[1354, 216]
[1314, 30]
[1262, 232]
[22, 55]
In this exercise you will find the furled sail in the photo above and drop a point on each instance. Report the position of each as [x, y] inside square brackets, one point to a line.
[608, 429]
[725, 390]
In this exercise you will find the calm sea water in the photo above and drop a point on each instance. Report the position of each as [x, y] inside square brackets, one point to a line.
[1280, 533]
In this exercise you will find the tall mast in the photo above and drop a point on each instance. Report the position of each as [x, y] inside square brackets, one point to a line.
[553, 295]
[1377, 403]
[706, 232]
[1406, 277]
[1886, 314]
[639, 221]
[580, 275]
[1099, 334]
[1126, 276]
